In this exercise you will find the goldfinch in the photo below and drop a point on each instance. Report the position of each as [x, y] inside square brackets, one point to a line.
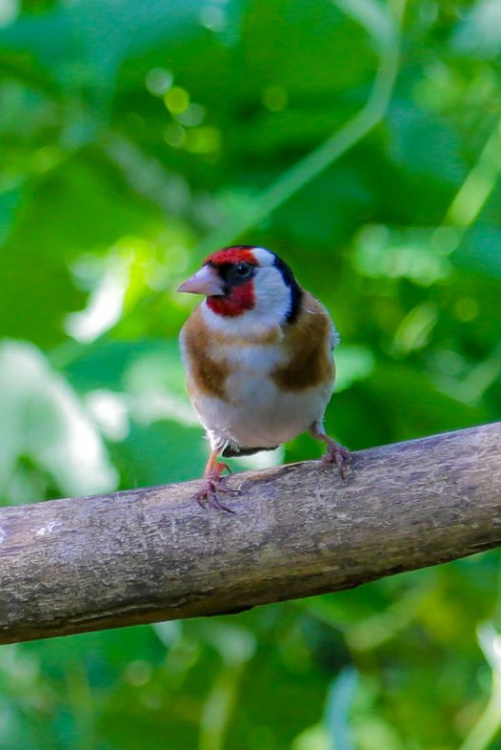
[258, 356]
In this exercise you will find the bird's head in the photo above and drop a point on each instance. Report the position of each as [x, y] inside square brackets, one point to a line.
[247, 281]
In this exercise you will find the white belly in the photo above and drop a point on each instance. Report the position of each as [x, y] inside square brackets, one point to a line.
[260, 415]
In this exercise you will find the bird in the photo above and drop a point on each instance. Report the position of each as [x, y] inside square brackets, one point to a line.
[258, 354]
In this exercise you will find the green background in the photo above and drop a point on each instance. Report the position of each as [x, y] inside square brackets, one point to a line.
[361, 141]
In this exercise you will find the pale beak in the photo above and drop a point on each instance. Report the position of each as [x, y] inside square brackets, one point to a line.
[205, 281]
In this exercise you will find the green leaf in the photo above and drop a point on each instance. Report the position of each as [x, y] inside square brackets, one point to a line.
[480, 251]
[478, 33]
[47, 425]
[338, 705]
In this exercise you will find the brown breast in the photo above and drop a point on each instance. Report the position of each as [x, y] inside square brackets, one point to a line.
[206, 375]
[308, 340]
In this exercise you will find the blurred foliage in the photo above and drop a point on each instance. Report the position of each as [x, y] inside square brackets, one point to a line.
[135, 137]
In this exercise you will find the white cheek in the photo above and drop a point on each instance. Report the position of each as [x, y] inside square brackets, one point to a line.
[273, 296]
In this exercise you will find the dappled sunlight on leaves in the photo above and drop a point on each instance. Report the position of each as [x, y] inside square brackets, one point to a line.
[48, 425]
[410, 255]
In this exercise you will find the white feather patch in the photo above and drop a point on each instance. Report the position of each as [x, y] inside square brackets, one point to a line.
[263, 256]
[273, 417]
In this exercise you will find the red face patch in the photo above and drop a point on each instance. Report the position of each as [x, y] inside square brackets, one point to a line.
[232, 255]
[237, 302]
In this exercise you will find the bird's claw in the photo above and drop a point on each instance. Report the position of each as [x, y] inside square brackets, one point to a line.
[339, 455]
[208, 496]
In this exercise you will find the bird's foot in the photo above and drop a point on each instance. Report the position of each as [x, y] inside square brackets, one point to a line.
[208, 496]
[337, 454]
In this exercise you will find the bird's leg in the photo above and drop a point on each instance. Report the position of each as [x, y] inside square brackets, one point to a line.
[207, 497]
[335, 452]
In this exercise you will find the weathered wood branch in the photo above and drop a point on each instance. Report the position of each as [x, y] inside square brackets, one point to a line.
[68, 566]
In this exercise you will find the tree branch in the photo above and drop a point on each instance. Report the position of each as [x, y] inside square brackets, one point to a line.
[69, 566]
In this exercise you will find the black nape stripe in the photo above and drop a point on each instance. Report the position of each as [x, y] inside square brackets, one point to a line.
[296, 291]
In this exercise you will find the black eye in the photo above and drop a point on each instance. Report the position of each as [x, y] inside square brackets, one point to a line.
[243, 269]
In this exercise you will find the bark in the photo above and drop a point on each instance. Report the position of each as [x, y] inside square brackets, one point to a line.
[69, 566]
